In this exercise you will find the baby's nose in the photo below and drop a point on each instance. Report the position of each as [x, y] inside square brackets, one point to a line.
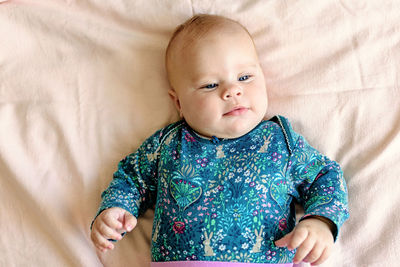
[232, 91]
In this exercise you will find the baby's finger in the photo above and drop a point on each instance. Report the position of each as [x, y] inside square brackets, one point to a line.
[315, 253]
[299, 235]
[324, 256]
[101, 242]
[111, 221]
[109, 233]
[101, 249]
[305, 248]
[284, 241]
[130, 222]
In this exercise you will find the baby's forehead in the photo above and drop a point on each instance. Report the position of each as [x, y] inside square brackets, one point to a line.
[197, 32]
[195, 35]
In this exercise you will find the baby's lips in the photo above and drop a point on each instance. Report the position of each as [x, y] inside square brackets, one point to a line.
[236, 111]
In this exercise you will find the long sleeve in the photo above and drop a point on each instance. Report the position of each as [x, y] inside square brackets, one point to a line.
[134, 184]
[317, 183]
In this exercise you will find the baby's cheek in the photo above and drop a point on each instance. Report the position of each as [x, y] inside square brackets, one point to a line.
[207, 102]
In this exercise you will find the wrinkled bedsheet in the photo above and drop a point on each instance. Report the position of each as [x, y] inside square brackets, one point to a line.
[82, 84]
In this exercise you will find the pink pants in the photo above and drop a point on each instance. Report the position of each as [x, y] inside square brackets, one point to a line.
[215, 264]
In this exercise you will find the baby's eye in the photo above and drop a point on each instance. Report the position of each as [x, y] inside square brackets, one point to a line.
[244, 78]
[210, 86]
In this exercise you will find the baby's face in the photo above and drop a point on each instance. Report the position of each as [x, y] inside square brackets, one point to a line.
[218, 85]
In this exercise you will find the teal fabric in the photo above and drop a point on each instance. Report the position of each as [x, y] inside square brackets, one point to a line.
[227, 199]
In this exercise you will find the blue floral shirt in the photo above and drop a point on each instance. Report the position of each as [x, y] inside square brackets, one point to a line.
[227, 200]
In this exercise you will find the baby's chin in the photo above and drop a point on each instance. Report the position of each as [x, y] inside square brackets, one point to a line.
[233, 134]
[227, 129]
[237, 131]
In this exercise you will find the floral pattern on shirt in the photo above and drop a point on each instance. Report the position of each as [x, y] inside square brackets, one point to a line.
[227, 200]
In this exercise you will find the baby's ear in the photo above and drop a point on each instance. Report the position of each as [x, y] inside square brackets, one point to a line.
[174, 96]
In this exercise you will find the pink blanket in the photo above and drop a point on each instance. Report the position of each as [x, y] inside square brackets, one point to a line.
[82, 84]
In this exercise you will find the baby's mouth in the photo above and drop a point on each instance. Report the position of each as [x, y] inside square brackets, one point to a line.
[237, 111]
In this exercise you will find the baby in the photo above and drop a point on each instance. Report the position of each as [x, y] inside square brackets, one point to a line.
[224, 181]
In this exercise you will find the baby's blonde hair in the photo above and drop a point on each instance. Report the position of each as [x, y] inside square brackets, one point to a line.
[194, 29]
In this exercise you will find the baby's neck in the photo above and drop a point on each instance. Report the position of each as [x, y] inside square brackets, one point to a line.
[213, 138]
[216, 139]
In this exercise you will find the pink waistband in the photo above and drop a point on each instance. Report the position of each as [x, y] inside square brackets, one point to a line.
[215, 264]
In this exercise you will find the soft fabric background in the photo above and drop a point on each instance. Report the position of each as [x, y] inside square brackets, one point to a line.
[82, 84]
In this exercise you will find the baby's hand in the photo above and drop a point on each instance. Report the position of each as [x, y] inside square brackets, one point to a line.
[313, 239]
[109, 225]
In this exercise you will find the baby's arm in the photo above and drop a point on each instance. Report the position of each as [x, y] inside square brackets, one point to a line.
[317, 183]
[109, 225]
[130, 193]
[312, 238]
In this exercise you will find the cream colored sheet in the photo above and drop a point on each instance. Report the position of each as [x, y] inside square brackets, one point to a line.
[82, 84]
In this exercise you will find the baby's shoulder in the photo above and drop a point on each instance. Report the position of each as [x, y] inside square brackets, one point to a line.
[168, 132]
[283, 127]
